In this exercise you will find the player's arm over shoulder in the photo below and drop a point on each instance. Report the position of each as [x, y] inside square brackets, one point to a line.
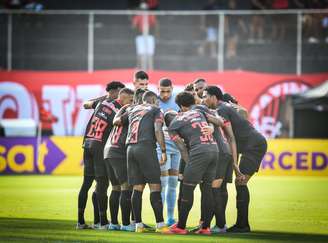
[121, 116]
[92, 103]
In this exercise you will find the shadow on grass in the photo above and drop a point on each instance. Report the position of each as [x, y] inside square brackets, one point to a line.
[32, 230]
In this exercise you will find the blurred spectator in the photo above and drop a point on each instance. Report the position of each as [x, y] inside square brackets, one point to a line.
[13, 4]
[279, 22]
[209, 23]
[312, 23]
[133, 4]
[153, 4]
[46, 120]
[297, 4]
[235, 29]
[258, 21]
[33, 5]
[325, 27]
[145, 41]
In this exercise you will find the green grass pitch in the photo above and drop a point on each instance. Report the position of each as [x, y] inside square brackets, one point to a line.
[44, 209]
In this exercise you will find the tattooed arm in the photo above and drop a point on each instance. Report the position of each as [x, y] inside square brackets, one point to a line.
[160, 140]
[180, 145]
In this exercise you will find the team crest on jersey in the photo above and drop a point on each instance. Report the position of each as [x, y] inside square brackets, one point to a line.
[270, 112]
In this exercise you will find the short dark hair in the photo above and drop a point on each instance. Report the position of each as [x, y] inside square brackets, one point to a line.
[214, 90]
[199, 80]
[141, 75]
[126, 91]
[165, 82]
[185, 99]
[169, 116]
[114, 85]
[148, 95]
[189, 87]
[229, 98]
[137, 98]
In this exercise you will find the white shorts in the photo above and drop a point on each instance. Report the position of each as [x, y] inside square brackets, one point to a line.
[145, 45]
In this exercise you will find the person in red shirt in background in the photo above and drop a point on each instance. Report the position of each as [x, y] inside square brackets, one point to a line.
[145, 41]
[153, 4]
[46, 120]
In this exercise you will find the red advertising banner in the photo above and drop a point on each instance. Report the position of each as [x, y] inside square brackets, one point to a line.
[22, 93]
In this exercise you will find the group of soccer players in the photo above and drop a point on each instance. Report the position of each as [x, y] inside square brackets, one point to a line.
[137, 137]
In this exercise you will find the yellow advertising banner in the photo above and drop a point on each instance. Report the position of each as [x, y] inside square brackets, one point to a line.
[64, 156]
[296, 157]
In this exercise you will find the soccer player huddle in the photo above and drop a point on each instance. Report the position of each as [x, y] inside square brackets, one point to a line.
[137, 137]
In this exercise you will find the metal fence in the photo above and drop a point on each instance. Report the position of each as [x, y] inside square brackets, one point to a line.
[290, 41]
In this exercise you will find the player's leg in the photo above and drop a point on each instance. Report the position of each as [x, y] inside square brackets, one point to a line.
[114, 198]
[157, 205]
[218, 205]
[114, 204]
[101, 191]
[148, 162]
[220, 217]
[102, 183]
[82, 199]
[136, 179]
[119, 166]
[171, 193]
[220, 198]
[164, 175]
[207, 191]
[88, 179]
[125, 204]
[180, 178]
[136, 201]
[202, 207]
[193, 174]
[96, 219]
[187, 200]
[249, 164]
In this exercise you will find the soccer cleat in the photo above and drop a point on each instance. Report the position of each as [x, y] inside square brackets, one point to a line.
[176, 230]
[148, 227]
[193, 230]
[217, 230]
[82, 226]
[237, 229]
[164, 230]
[170, 222]
[206, 231]
[114, 227]
[129, 228]
[95, 226]
[104, 227]
[140, 228]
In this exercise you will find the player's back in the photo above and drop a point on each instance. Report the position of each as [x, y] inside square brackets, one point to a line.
[101, 122]
[217, 134]
[115, 145]
[141, 123]
[188, 126]
[242, 128]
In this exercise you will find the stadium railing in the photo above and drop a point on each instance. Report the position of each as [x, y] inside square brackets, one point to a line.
[278, 41]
